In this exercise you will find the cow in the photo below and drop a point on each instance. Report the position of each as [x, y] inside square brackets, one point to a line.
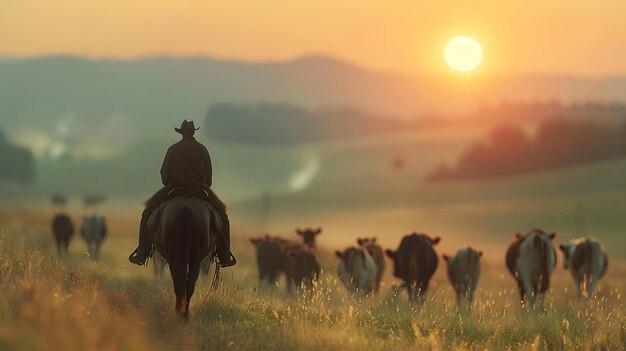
[94, 230]
[587, 261]
[357, 270]
[308, 235]
[531, 259]
[377, 254]
[464, 272]
[415, 262]
[303, 269]
[63, 230]
[271, 259]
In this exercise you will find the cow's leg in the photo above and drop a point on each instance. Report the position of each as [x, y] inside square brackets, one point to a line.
[422, 293]
[591, 285]
[262, 278]
[529, 290]
[411, 288]
[579, 286]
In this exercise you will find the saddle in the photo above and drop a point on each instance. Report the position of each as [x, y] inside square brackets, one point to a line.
[216, 219]
[189, 191]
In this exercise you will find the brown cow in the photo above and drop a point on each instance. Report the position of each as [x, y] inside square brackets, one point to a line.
[531, 259]
[415, 262]
[303, 268]
[464, 272]
[271, 259]
[377, 254]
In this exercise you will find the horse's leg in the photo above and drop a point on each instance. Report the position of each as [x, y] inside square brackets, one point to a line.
[180, 287]
[194, 272]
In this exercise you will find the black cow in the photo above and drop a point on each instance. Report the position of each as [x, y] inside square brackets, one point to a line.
[415, 262]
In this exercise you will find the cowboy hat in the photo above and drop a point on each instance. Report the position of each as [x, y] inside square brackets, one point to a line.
[186, 126]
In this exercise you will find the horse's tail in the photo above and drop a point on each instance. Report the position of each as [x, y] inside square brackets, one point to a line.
[182, 251]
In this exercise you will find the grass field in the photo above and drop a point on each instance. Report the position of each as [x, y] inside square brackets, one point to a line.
[73, 304]
[48, 303]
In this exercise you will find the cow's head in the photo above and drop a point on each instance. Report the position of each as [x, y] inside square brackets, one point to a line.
[256, 241]
[390, 253]
[366, 241]
[308, 235]
[433, 241]
[568, 251]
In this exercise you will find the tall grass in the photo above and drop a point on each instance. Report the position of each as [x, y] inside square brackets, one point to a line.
[47, 303]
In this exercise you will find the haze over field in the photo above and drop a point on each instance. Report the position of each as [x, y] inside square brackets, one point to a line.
[469, 122]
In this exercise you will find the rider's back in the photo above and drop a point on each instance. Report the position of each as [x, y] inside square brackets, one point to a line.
[187, 163]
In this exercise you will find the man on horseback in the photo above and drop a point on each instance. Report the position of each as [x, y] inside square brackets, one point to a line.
[187, 164]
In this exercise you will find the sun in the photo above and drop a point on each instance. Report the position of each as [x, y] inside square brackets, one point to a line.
[463, 53]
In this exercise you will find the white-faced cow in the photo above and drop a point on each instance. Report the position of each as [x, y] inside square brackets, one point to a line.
[531, 259]
[415, 262]
[464, 272]
[587, 261]
[377, 254]
[357, 270]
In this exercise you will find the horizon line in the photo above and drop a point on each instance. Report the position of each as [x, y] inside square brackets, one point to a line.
[295, 59]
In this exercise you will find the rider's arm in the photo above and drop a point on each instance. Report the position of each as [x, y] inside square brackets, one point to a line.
[166, 177]
[209, 169]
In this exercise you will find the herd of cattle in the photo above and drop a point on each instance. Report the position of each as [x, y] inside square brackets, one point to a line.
[531, 259]
[93, 229]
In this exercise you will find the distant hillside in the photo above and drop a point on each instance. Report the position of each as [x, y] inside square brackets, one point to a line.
[557, 143]
[115, 102]
[17, 164]
[281, 123]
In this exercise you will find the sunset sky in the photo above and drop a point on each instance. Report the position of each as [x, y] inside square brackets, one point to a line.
[557, 36]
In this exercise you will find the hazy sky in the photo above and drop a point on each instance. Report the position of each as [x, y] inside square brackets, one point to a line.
[557, 36]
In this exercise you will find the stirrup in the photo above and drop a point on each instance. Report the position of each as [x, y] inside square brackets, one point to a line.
[231, 262]
[137, 259]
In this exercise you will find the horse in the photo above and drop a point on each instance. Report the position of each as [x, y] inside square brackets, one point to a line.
[63, 230]
[159, 262]
[587, 261]
[185, 235]
[531, 259]
[94, 231]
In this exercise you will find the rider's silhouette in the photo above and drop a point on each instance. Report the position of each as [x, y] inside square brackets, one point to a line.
[187, 164]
